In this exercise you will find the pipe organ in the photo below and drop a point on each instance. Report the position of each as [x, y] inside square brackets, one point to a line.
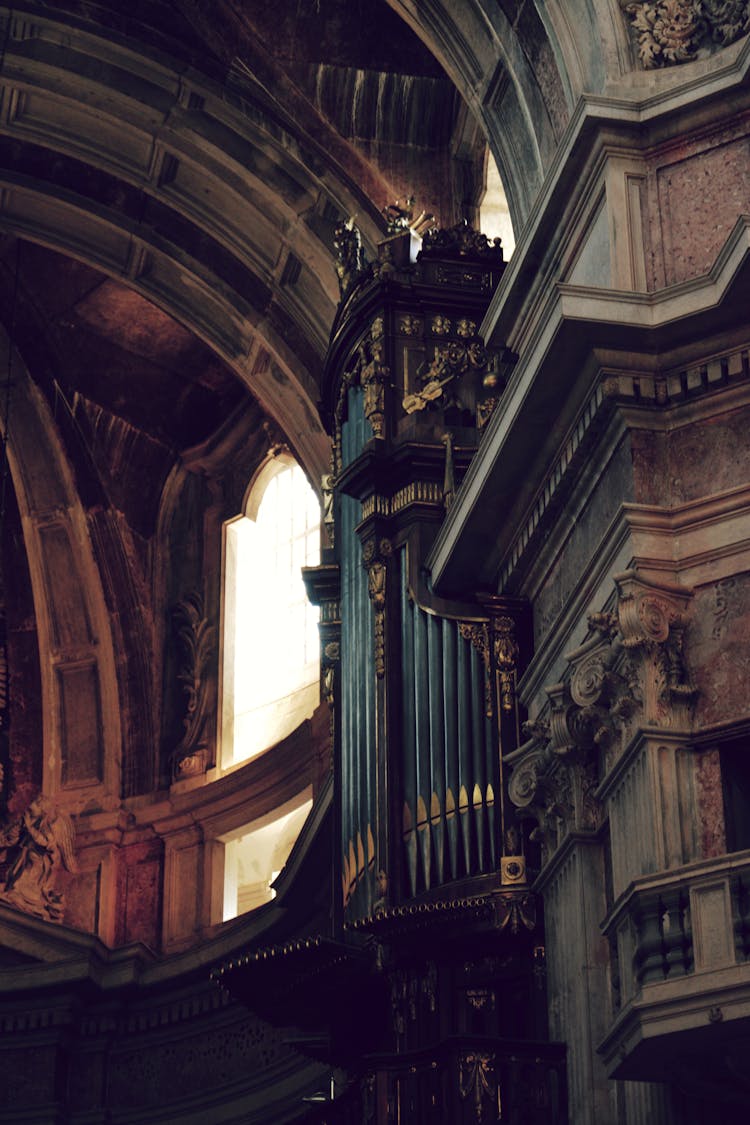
[429, 991]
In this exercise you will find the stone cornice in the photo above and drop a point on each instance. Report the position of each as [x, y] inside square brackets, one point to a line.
[646, 110]
[577, 322]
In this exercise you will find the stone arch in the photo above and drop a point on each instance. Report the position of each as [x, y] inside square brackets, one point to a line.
[220, 211]
[82, 739]
[521, 68]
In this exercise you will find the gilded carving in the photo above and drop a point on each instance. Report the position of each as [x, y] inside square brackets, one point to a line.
[350, 256]
[461, 242]
[374, 555]
[505, 651]
[673, 31]
[409, 325]
[477, 1081]
[449, 479]
[478, 633]
[37, 847]
[485, 410]
[399, 217]
[368, 371]
[514, 911]
[440, 325]
[450, 363]
[466, 328]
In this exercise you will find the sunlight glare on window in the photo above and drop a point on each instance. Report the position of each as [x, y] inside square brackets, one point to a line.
[271, 640]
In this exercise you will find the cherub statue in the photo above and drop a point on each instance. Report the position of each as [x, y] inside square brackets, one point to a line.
[38, 844]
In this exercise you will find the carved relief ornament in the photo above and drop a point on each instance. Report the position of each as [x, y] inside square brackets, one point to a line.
[197, 639]
[439, 378]
[36, 848]
[368, 371]
[629, 673]
[675, 31]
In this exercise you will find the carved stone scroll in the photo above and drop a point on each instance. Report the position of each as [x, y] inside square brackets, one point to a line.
[630, 672]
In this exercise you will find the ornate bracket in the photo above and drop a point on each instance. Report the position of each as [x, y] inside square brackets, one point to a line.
[478, 632]
[652, 621]
[629, 671]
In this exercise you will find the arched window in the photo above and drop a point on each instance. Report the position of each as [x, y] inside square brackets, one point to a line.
[271, 663]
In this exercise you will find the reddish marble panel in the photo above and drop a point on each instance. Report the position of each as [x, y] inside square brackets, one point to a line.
[719, 443]
[651, 481]
[717, 650]
[700, 196]
[710, 804]
[139, 894]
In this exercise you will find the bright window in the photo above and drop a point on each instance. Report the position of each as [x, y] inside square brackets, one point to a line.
[256, 853]
[271, 663]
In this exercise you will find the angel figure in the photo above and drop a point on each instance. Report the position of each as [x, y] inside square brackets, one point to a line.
[39, 844]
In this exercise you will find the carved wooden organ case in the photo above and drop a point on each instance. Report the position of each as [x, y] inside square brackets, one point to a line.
[429, 990]
[423, 695]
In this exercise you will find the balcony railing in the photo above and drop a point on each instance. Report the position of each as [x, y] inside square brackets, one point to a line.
[681, 942]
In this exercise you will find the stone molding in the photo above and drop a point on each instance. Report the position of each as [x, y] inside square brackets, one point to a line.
[574, 329]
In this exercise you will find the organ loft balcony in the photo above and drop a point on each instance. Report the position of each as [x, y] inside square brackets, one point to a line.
[681, 946]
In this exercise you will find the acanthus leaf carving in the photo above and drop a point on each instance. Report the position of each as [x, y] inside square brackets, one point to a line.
[675, 31]
[630, 670]
[197, 638]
